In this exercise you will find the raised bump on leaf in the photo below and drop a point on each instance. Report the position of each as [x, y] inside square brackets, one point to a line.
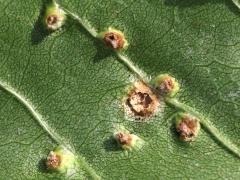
[166, 85]
[54, 17]
[141, 102]
[187, 126]
[114, 39]
[61, 160]
[127, 140]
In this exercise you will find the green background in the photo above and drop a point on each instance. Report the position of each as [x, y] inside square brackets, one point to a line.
[77, 84]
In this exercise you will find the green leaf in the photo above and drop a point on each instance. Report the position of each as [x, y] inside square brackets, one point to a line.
[237, 3]
[66, 88]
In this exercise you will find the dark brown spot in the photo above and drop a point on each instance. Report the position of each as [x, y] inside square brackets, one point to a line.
[114, 40]
[52, 19]
[53, 161]
[124, 139]
[187, 128]
[141, 101]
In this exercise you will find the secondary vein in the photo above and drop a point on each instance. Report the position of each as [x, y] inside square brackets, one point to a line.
[54, 136]
[32, 111]
[132, 67]
[84, 23]
[207, 124]
[124, 59]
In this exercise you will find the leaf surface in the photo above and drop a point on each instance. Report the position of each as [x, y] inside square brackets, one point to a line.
[76, 85]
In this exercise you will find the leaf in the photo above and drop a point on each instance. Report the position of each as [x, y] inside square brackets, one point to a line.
[236, 2]
[66, 88]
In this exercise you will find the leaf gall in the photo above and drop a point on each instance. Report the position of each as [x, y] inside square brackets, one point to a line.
[61, 160]
[114, 39]
[141, 102]
[128, 141]
[187, 126]
[54, 16]
[166, 85]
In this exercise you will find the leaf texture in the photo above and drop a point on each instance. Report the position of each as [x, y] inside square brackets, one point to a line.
[76, 85]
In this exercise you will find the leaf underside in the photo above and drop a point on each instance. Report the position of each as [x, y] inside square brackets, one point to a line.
[77, 85]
